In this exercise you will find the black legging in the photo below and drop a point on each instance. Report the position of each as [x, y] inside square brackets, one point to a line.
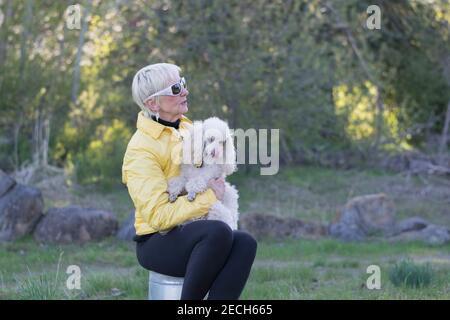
[207, 253]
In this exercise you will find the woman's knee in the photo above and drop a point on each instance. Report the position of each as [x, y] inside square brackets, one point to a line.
[246, 240]
[220, 233]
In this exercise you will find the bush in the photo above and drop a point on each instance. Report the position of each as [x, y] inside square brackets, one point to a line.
[409, 274]
[102, 161]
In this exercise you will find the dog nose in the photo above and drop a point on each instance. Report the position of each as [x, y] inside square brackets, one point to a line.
[213, 152]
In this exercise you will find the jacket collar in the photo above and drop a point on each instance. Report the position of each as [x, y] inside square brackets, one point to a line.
[154, 128]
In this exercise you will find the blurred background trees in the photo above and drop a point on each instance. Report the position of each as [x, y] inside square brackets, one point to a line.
[340, 94]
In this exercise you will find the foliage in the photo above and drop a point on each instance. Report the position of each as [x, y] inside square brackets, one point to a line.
[102, 159]
[310, 68]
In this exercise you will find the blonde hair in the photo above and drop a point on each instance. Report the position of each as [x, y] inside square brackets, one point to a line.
[151, 79]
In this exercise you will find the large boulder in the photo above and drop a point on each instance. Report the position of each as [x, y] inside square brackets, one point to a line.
[410, 224]
[364, 216]
[127, 231]
[21, 207]
[431, 234]
[6, 183]
[270, 226]
[75, 225]
[347, 231]
[435, 235]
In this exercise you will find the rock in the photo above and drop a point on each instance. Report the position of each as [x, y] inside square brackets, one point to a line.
[75, 224]
[6, 183]
[397, 162]
[364, 216]
[431, 234]
[127, 231]
[115, 292]
[20, 208]
[346, 232]
[264, 225]
[411, 224]
[436, 235]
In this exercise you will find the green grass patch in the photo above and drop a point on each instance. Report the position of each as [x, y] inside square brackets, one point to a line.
[295, 269]
[290, 269]
[409, 274]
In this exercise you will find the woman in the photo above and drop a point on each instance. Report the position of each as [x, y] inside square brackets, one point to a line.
[208, 254]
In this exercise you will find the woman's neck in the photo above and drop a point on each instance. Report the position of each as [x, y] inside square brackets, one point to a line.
[169, 117]
[174, 124]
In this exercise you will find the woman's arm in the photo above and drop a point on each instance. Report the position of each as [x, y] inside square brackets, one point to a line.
[147, 187]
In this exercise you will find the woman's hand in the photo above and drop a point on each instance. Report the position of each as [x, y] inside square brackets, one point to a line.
[218, 186]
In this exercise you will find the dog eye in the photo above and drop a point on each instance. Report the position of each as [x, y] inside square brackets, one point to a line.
[211, 139]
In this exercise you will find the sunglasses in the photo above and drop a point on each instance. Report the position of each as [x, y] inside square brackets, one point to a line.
[173, 90]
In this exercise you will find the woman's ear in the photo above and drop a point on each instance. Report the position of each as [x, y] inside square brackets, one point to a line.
[230, 155]
[152, 105]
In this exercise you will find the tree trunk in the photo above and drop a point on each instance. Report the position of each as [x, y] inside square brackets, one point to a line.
[4, 33]
[45, 140]
[28, 16]
[444, 137]
[286, 154]
[17, 126]
[379, 109]
[36, 137]
[27, 19]
[41, 137]
[81, 39]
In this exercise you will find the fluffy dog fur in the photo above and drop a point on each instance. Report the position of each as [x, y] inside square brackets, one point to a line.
[208, 152]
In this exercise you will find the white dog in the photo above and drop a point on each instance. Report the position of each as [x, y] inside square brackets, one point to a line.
[208, 152]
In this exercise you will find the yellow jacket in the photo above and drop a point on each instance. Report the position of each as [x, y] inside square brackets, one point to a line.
[147, 165]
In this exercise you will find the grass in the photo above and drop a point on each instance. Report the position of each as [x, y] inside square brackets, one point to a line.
[41, 287]
[326, 269]
[292, 269]
[410, 274]
[315, 193]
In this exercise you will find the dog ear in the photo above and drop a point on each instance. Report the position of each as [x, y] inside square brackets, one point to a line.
[230, 155]
[197, 143]
[186, 135]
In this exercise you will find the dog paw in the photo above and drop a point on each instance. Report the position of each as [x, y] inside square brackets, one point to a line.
[172, 197]
[191, 196]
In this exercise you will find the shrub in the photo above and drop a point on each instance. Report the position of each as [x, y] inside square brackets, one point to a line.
[102, 161]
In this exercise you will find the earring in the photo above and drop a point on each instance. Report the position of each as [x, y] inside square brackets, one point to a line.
[157, 116]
